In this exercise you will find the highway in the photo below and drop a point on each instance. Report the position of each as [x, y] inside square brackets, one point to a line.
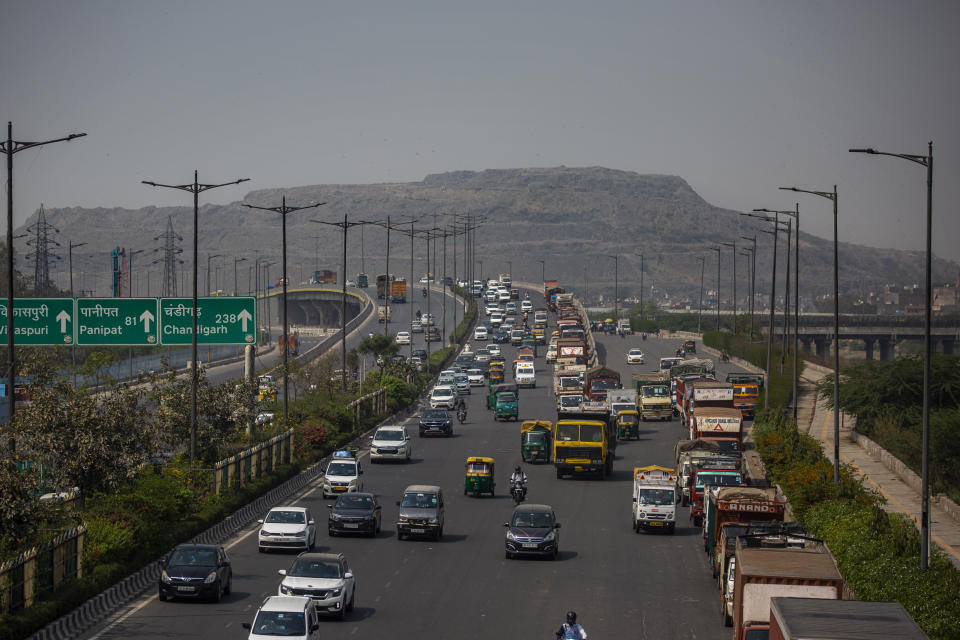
[619, 582]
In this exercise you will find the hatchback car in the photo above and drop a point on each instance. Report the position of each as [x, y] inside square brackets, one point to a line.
[494, 350]
[462, 383]
[342, 476]
[325, 578]
[391, 442]
[532, 530]
[526, 306]
[436, 421]
[432, 334]
[416, 326]
[403, 337]
[496, 319]
[635, 356]
[443, 397]
[480, 333]
[511, 308]
[196, 571]
[421, 512]
[481, 356]
[287, 528]
[476, 377]
[288, 616]
[354, 513]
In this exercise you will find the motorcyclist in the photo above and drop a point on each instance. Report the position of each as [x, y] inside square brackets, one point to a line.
[424, 292]
[724, 356]
[461, 412]
[419, 314]
[570, 629]
[519, 476]
[461, 405]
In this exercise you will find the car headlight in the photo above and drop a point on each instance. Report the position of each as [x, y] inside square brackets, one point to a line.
[264, 533]
[510, 536]
[433, 521]
[447, 422]
[285, 590]
[300, 534]
[550, 537]
[402, 520]
[211, 577]
[336, 592]
[334, 516]
[164, 577]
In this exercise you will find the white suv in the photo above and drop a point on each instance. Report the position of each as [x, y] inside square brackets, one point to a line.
[391, 442]
[288, 616]
[443, 397]
[287, 528]
[342, 476]
[325, 578]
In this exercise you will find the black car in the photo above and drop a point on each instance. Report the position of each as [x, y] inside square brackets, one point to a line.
[196, 571]
[354, 513]
[501, 336]
[432, 334]
[532, 530]
[421, 353]
[436, 421]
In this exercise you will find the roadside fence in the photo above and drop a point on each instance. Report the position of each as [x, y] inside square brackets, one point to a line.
[239, 469]
[41, 570]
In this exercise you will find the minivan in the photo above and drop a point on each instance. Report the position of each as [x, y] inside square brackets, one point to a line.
[421, 512]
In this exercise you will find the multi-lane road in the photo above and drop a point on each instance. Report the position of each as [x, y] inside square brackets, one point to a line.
[619, 582]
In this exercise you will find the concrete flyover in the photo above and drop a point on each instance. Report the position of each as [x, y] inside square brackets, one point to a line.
[311, 306]
[880, 334]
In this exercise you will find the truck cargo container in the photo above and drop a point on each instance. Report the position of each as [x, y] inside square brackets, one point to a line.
[686, 453]
[597, 381]
[761, 574]
[721, 425]
[727, 506]
[820, 619]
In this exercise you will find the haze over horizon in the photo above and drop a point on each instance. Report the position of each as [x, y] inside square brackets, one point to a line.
[737, 98]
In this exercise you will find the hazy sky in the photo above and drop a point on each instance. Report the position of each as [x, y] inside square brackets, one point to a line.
[738, 98]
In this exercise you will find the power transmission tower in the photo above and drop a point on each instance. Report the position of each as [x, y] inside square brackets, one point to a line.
[41, 255]
[170, 260]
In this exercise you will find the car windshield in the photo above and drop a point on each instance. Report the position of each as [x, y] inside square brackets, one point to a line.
[725, 478]
[435, 414]
[474, 372]
[280, 623]
[568, 432]
[729, 446]
[569, 401]
[460, 379]
[656, 392]
[342, 469]
[506, 397]
[655, 496]
[569, 382]
[603, 384]
[309, 568]
[287, 517]
[354, 502]
[636, 352]
[442, 393]
[194, 558]
[479, 467]
[532, 520]
[419, 500]
[389, 434]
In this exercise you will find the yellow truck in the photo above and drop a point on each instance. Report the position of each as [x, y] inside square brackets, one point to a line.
[582, 445]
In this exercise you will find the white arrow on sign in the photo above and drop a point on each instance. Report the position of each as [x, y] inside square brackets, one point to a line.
[63, 318]
[245, 317]
[146, 318]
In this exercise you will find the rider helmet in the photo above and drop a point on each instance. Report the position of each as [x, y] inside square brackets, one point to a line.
[571, 617]
[517, 470]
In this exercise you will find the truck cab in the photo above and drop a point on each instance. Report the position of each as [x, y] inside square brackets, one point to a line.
[581, 445]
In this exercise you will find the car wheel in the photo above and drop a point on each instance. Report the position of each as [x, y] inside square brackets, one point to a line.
[313, 541]
[161, 596]
[353, 599]
[260, 549]
[399, 535]
[229, 588]
[217, 592]
[555, 554]
[508, 555]
[331, 533]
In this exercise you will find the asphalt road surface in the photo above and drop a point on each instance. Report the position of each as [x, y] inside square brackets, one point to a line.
[619, 582]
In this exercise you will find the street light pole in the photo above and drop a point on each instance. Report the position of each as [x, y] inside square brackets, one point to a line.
[753, 278]
[703, 262]
[616, 309]
[9, 148]
[926, 161]
[283, 210]
[733, 245]
[832, 195]
[717, 249]
[209, 258]
[195, 188]
[543, 270]
[236, 261]
[73, 347]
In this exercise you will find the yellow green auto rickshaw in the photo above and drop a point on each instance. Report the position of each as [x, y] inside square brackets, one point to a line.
[628, 425]
[479, 476]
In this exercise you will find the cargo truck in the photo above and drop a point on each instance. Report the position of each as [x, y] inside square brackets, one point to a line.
[729, 506]
[686, 453]
[720, 425]
[699, 394]
[289, 343]
[582, 445]
[655, 498]
[398, 290]
[653, 396]
[761, 574]
[597, 381]
[362, 282]
[746, 392]
[324, 277]
[621, 400]
[383, 314]
[710, 472]
[821, 619]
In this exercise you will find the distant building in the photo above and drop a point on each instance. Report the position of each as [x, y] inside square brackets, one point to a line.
[946, 299]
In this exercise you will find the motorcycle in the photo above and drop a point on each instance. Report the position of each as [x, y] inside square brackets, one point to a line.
[724, 356]
[462, 415]
[518, 492]
[424, 292]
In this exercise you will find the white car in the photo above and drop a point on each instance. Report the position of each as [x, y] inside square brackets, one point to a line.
[525, 375]
[296, 616]
[287, 528]
[403, 337]
[494, 350]
[511, 308]
[504, 295]
[496, 319]
[325, 578]
[426, 319]
[492, 309]
[416, 326]
[480, 333]
[526, 306]
[635, 356]
[342, 476]
[391, 442]
[481, 356]
[445, 379]
[476, 377]
[443, 397]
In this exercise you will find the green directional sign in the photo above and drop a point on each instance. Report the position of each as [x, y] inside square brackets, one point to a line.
[220, 320]
[117, 321]
[39, 321]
